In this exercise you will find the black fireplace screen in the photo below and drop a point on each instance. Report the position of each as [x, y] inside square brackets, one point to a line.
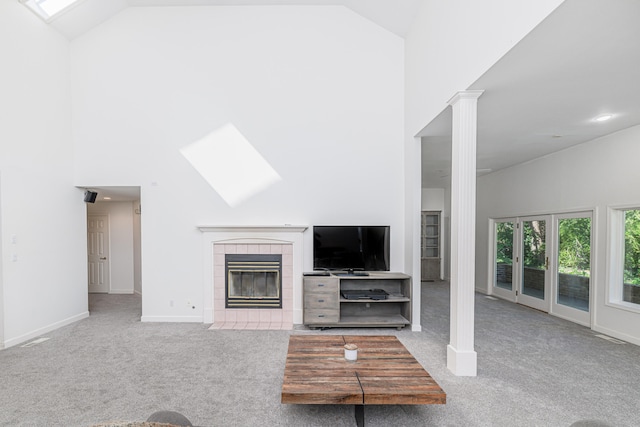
[253, 281]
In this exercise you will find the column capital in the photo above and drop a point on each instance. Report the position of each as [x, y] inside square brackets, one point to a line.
[465, 94]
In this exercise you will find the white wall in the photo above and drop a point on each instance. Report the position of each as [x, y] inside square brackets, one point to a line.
[43, 231]
[1, 272]
[121, 243]
[433, 199]
[318, 91]
[591, 176]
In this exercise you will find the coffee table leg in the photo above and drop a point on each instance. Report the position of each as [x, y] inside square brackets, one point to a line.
[359, 415]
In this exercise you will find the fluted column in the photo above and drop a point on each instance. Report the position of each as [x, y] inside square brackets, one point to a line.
[461, 356]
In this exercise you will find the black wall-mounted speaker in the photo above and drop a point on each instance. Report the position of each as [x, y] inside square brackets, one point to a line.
[90, 196]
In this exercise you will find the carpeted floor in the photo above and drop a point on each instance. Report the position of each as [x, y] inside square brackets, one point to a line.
[533, 370]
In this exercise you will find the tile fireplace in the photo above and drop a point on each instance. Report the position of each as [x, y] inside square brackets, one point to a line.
[264, 244]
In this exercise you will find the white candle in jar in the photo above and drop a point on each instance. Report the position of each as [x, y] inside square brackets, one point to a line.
[351, 352]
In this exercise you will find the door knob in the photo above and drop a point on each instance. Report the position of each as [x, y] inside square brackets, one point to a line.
[103, 257]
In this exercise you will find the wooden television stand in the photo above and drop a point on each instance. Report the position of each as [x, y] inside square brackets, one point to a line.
[325, 305]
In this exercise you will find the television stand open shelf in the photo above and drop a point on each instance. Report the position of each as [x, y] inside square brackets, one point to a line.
[325, 306]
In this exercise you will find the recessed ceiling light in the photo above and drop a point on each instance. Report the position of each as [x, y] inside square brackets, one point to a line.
[603, 118]
[107, 198]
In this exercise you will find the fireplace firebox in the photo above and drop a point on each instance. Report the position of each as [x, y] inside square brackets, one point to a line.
[253, 280]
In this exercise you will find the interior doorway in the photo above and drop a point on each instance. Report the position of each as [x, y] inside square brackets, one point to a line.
[114, 241]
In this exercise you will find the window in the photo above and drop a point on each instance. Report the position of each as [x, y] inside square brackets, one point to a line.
[48, 9]
[624, 257]
[631, 265]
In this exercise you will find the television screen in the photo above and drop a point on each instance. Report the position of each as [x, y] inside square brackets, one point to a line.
[348, 247]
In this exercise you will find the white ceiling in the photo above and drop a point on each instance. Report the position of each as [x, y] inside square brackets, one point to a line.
[541, 97]
[394, 15]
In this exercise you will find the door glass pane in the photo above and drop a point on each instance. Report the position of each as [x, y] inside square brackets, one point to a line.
[574, 262]
[533, 258]
[504, 255]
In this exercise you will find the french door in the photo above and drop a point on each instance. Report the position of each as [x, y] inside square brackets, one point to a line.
[544, 262]
[520, 266]
[533, 261]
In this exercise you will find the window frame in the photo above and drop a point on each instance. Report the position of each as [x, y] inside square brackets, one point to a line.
[615, 258]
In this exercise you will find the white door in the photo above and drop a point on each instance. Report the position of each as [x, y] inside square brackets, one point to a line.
[98, 250]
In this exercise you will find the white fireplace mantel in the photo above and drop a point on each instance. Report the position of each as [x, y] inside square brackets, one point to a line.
[259, 234]
[253, 228]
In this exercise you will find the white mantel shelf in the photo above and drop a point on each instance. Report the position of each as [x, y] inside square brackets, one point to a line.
[253, 228]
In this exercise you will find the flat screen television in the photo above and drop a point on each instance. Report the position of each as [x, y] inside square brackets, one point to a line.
[347, 247]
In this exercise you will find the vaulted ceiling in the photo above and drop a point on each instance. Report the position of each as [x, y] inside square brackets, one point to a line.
[394, 15]
[541, 97]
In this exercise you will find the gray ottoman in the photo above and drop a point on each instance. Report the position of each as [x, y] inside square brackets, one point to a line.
[170, 417]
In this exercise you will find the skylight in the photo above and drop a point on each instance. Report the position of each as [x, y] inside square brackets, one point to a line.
[48, 9]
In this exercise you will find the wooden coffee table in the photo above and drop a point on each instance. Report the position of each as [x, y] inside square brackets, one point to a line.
[385, 373]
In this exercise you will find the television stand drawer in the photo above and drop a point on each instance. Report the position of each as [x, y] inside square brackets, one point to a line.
[321, 316]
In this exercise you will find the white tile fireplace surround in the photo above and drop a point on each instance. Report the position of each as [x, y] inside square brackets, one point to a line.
[219, 241]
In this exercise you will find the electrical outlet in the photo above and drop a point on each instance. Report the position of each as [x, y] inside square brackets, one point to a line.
[171, 303]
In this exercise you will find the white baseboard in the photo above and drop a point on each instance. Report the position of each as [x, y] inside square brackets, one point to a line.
[38, 332]
[174, 319]
[208, 315]
[615, 334]
[121, 292]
